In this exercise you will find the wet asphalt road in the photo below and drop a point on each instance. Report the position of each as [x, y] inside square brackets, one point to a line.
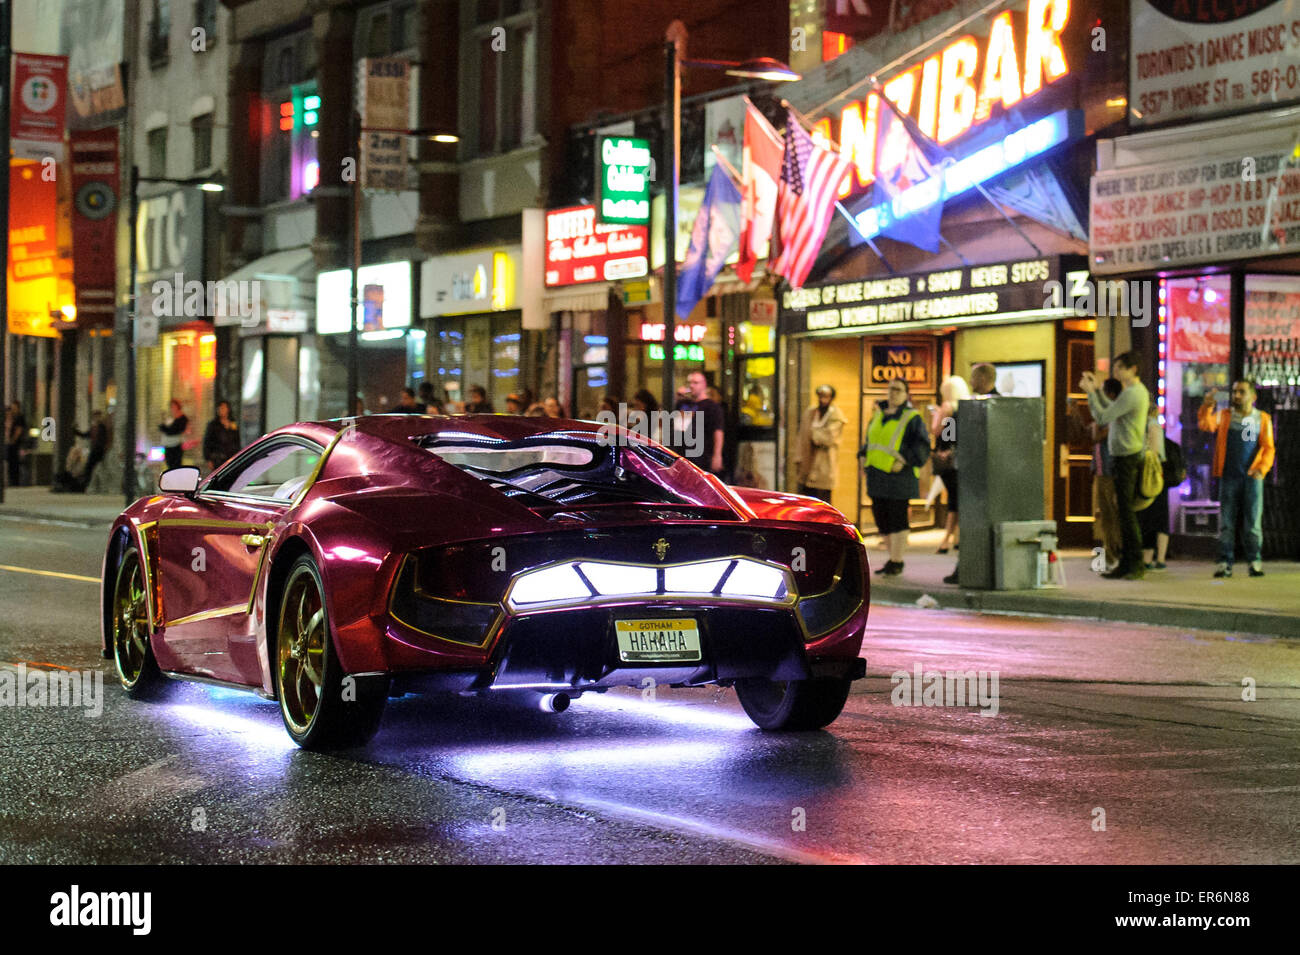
[1144, 724]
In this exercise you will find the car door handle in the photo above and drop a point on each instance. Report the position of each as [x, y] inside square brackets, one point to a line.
[253, 540]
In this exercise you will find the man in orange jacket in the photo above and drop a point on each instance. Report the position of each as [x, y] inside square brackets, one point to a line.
[1243, 454]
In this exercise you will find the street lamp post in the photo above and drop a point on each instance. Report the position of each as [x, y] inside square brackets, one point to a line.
[129, 487]
[6, 22]
[761, 68]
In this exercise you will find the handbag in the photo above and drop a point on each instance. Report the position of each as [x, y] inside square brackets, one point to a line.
[1151, 482]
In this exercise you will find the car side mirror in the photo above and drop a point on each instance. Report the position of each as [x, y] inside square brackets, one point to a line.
[179, 481]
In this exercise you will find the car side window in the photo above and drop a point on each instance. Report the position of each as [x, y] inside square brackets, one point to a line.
[277, 474]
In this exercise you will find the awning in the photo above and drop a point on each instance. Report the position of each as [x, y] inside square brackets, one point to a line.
[280, 286]
[577, 298]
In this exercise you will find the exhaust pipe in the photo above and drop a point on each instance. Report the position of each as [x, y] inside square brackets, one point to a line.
[553, 702]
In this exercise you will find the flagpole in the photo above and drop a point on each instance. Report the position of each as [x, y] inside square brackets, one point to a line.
[995, 4]
[736, 179]
[853, 223]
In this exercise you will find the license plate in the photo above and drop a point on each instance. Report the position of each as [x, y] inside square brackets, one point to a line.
[658, 641]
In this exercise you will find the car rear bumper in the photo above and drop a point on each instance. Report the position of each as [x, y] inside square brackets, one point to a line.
[576, 650]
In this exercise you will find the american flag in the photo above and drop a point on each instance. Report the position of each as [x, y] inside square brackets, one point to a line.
[805, 201]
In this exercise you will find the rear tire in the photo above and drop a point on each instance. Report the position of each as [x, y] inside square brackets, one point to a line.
[793, 705]
[137, 669]
[322, 707]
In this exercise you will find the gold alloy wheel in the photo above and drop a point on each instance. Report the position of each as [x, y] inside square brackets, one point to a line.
[130, 623]
[301, 645]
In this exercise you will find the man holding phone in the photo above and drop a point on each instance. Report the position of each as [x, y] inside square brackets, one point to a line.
[1126, 417]
[1243, 454]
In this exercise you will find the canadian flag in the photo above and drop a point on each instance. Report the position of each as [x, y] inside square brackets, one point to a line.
[761, 170]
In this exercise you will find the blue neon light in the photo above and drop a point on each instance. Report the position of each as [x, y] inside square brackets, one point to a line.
[966, 173]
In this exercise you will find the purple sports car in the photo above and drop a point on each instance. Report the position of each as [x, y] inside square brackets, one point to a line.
[332, 564]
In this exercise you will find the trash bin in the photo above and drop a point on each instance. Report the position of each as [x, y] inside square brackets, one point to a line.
[1021, 554]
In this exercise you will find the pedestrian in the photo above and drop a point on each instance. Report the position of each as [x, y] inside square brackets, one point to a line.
[551, 405]
[610, 403]
[515, 403]
[1127, 418]
[15, 438]
[536, 410]
[646, 403]
[426, 399]
[983, 381]
[1104, 485]
[220, 438]
[897, 446]
[100, 436]
[816, 460]
[173, 429]
[1154, 518]
[1243, 455]
[478, 402]
[701, 417]
[407, 404]
[943, 426]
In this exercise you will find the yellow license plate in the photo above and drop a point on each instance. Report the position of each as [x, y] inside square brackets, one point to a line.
[658, 641]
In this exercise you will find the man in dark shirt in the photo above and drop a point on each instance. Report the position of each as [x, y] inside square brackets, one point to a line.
[408, 404]
[702, 439]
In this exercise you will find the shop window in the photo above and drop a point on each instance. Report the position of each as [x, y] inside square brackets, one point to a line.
[201, 128]
[156, 145]
[1195, 341]
[159, 33]
[1271, 360]
[205, 18]
[503, 44]
[291, 106]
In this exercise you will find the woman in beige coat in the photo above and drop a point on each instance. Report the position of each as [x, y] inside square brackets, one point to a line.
[819, 441]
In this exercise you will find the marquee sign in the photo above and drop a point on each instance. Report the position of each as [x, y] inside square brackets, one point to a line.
[623, 180]
[580, 249]
[951, 295]
[962, 86]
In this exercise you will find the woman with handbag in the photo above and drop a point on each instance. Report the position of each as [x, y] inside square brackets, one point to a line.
[943, 459]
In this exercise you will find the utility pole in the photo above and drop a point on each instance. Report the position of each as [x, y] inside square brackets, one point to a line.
[6, 41]
[129, 488]
[672, 158]
[354, 357]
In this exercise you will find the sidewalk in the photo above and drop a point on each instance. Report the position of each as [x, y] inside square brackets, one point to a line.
[85, 510]
[1185, 595]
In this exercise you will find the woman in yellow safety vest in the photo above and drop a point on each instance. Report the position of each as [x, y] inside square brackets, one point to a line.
[898, 445]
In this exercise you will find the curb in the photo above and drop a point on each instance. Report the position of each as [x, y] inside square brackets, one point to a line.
[1168, 615]
[91, 523]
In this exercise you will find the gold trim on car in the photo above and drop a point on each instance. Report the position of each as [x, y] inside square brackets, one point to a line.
[206, 615]
[420, 592]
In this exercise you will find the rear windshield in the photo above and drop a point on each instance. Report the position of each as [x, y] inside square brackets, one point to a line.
[549, 472]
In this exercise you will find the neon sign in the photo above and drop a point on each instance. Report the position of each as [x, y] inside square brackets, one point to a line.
[956, 89]
[680, 352]
[654, 332]
[963, 174]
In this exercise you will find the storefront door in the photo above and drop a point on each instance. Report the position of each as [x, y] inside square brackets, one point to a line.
[1073, 475]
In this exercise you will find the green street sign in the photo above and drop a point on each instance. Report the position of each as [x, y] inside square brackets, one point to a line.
[623, 180]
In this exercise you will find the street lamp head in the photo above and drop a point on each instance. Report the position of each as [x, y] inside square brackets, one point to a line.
[445, 138]
[212, 187]
[764, 68]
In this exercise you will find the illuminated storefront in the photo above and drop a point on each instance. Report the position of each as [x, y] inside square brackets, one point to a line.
[859, 336]
[390, 349]
[470, 304]
[1010, 97]
[1224, 252]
